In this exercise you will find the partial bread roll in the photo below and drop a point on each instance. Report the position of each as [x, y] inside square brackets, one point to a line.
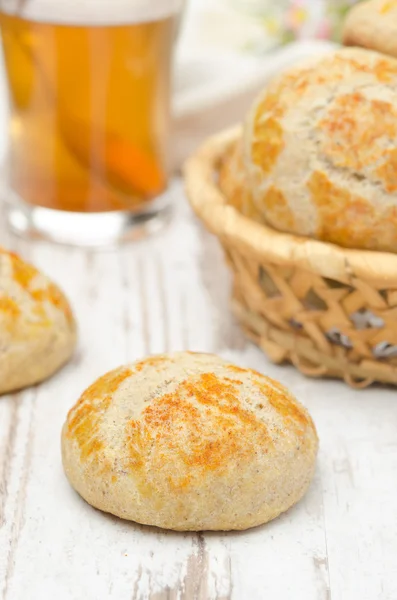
[189, 442]
[321, 150]
[373, 25]
[37, 328]
[233, 182]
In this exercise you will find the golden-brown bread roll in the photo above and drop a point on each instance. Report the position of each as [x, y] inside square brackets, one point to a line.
[189, 442]
[372, 25]
[37, 328]
[233, 182]
[321, 150]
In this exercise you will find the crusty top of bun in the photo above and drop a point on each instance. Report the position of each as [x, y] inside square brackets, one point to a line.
[168, 436]
[372, 25]
[321, 150]
[23, 287]
[37, 327]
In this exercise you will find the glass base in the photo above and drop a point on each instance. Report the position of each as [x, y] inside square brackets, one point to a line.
[89, 230]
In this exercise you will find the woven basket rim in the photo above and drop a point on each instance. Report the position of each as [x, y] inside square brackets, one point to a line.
[264, 243]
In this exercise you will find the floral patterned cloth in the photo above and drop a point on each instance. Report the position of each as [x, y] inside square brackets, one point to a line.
[288, 20]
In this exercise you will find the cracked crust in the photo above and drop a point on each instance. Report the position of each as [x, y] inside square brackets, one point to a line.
[37, 328]
[189, 442]
[320, 150]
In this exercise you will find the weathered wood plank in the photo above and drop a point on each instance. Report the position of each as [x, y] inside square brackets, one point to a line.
[171, 293]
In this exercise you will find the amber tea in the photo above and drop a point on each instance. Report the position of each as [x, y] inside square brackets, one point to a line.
[90, 101]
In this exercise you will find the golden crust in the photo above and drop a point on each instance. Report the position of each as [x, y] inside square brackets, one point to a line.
[350, 220]
[372, 25]
[233, 182]
[37, 327]
[357, 130]
[321, 153]
[164, 442]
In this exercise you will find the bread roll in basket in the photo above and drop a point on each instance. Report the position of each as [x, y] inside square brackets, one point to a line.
[329, 309]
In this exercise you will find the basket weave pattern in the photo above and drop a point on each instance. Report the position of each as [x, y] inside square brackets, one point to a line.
[328, 310]
[298, 316]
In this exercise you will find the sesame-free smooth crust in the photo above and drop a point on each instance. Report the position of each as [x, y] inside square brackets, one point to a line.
[189, 442]
[37, 327]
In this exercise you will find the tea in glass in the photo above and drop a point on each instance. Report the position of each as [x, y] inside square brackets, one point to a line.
[89, 86]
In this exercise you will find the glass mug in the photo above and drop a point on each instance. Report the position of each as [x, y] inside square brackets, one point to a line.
[89, 84]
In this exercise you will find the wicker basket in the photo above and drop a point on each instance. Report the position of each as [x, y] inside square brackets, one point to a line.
[328, 310]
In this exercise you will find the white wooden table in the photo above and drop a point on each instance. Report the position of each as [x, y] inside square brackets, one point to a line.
[171, 293]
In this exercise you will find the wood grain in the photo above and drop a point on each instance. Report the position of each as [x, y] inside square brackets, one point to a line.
[171, 293]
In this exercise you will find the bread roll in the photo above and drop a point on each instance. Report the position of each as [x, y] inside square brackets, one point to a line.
[189, 442]
[321, 150]
[233, 182]
[372, 25]
[37, 328]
